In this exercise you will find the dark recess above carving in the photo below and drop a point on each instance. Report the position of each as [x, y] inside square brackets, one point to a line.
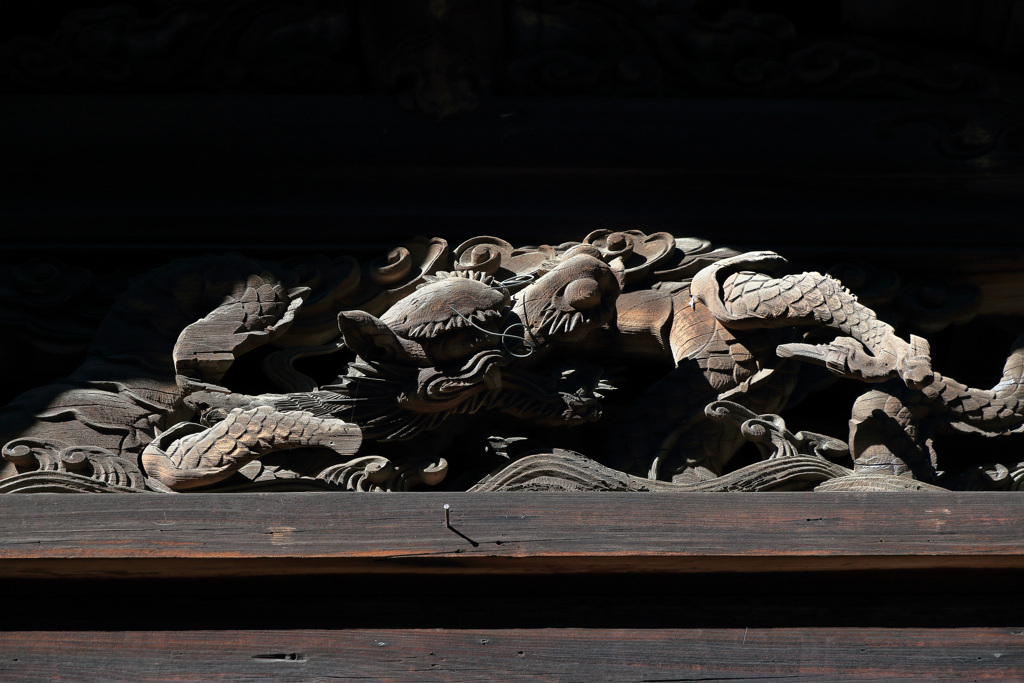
[193, 125]
[444, 56]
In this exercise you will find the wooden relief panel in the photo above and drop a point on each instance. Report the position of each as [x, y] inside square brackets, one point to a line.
[624, 361]
[441, 57]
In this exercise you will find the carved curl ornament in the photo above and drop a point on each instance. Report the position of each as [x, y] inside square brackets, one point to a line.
[624, 361]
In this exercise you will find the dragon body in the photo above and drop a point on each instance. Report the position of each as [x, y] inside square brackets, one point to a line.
[426, 338]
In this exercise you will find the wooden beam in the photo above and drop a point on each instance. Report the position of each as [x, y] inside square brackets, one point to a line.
[871, 625]
[104, 536]
[539, 654]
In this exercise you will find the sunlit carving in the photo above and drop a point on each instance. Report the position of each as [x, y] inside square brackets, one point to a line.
[625, 361]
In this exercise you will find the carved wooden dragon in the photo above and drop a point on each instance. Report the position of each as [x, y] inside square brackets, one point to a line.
[423, 339]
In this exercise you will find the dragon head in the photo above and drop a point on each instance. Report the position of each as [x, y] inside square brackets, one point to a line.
[447, 320]
[442, 350]
[433, 354]
[569, 302]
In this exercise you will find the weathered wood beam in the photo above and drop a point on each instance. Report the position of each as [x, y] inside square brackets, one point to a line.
[804, 654]
[107, 536]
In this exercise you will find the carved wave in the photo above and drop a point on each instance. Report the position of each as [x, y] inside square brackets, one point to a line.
[42, 463]
[562, 470]
[44, 481]
[877, 483]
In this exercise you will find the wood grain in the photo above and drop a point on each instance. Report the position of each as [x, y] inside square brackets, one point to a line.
[498, 654]
[56, 535]
[870, 625]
